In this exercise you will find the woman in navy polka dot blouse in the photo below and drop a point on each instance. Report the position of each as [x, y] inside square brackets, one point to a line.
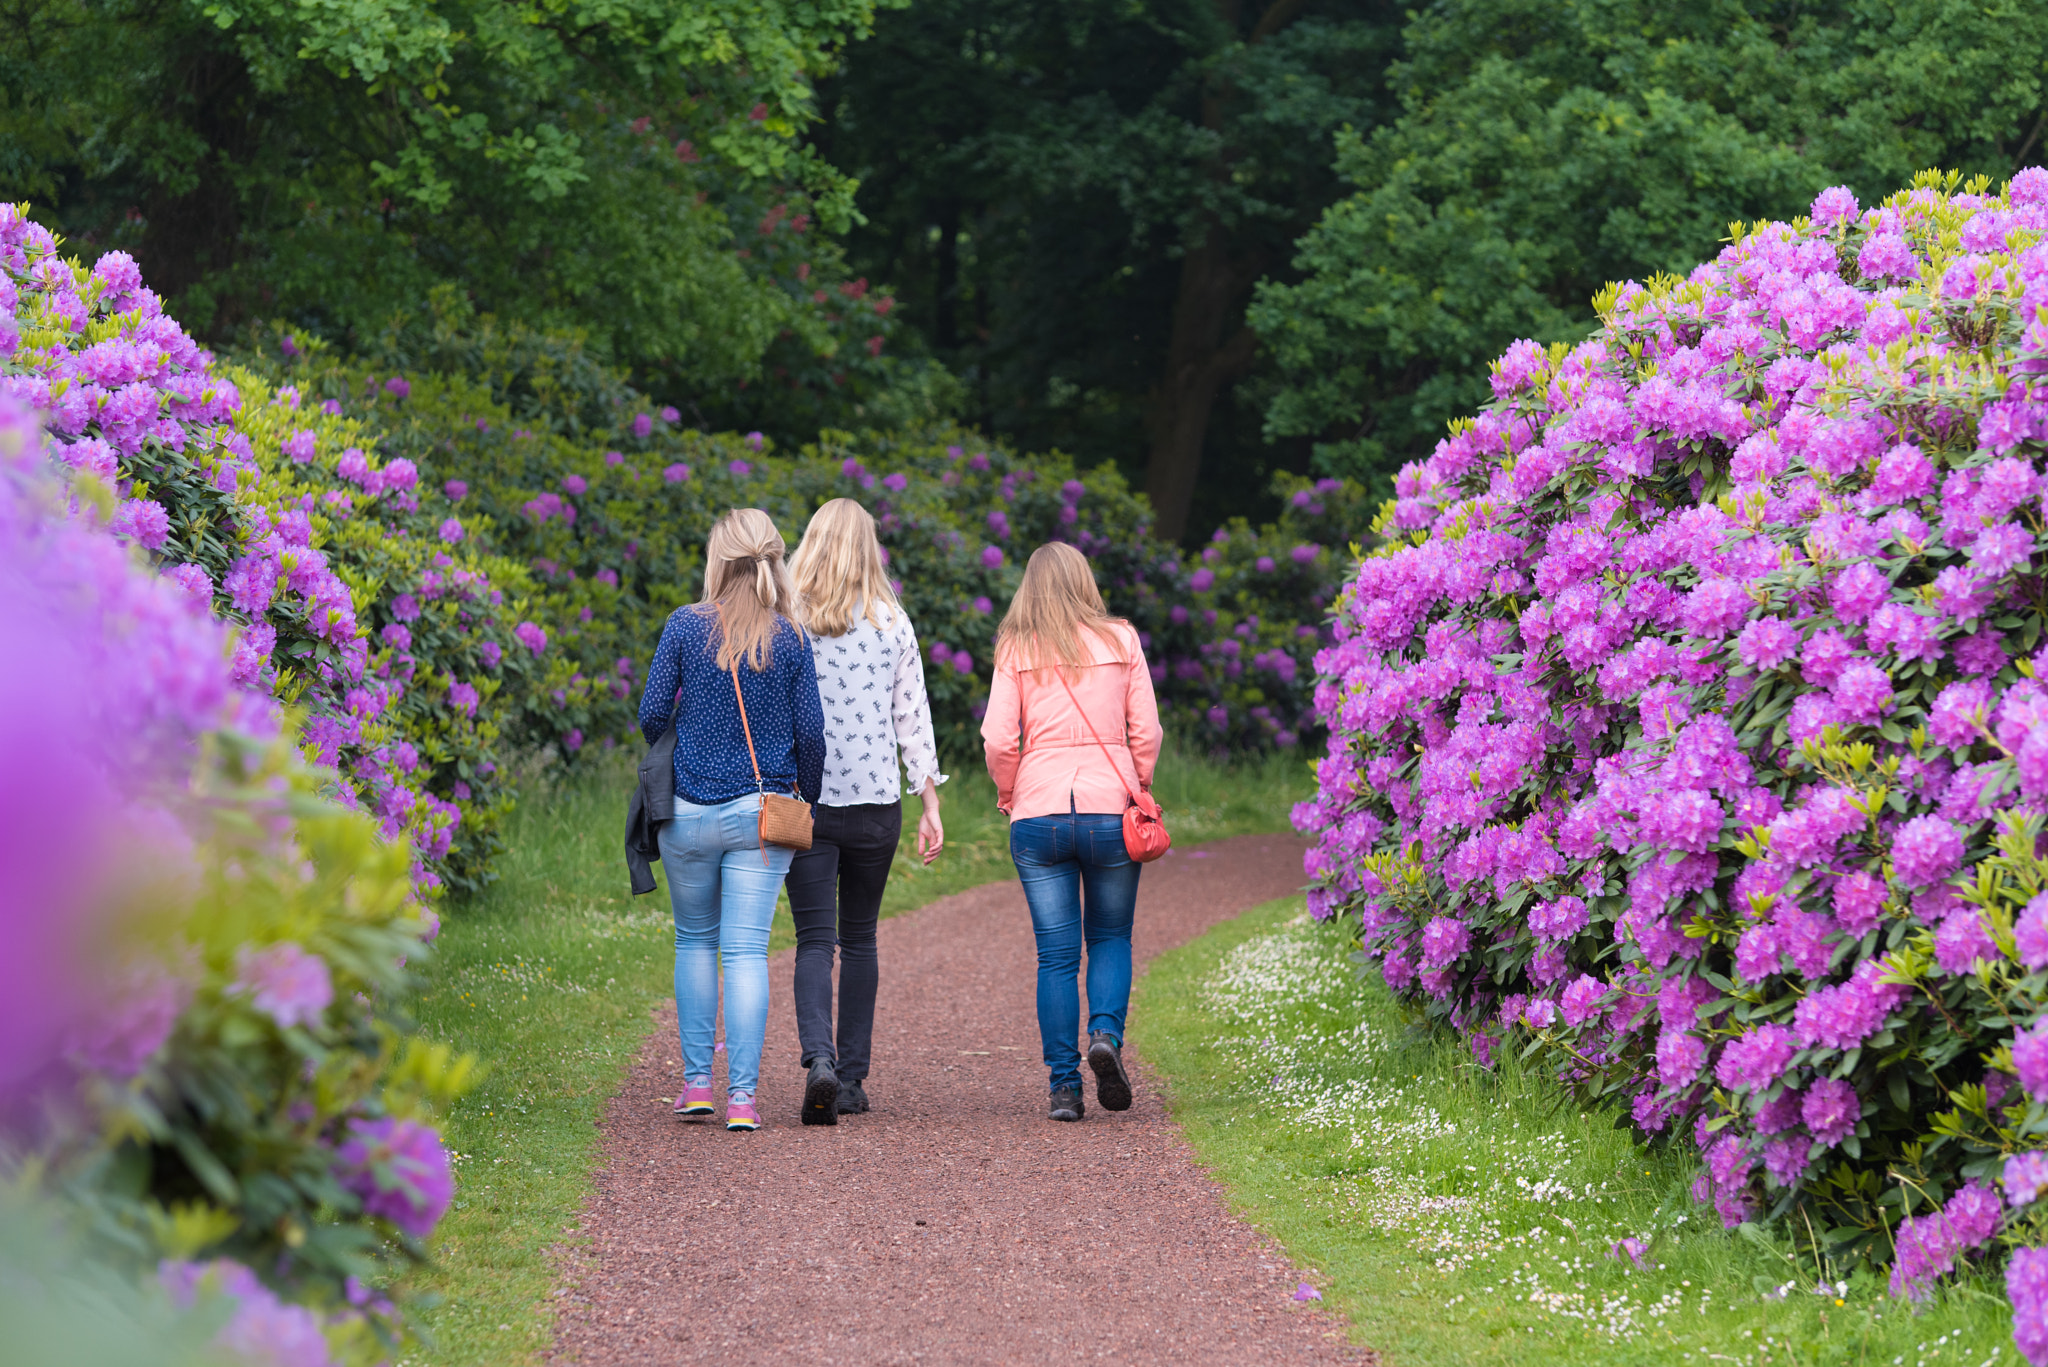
[722, 882]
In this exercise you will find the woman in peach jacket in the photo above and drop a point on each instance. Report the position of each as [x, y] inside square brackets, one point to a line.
[1067, 675]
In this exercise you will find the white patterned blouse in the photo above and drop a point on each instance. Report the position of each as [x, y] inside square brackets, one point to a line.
[871, 682]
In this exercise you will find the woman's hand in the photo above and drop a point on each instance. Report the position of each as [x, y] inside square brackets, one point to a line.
[931, 832]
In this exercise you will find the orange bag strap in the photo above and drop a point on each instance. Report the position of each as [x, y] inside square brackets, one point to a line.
[739, 698]
[1135, 802]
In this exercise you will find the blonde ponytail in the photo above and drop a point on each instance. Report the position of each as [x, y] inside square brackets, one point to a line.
[746, 584]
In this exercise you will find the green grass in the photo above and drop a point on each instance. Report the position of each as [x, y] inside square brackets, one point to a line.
[1462, 1216]
[549, 975]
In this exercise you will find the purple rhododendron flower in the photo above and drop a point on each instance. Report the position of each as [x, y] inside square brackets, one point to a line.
[284, 982]
[1926, 850]
[2024, 1177]
[531, 636]
[451, 531]
[1831, 1109]
[991, 557]
[1755, 1060]
[400, 1171]
[2030, 1059]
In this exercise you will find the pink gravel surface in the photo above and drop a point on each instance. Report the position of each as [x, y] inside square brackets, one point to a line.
[954, 1223]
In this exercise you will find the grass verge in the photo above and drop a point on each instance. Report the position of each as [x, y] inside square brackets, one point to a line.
[548, 978]
[1459, 1215]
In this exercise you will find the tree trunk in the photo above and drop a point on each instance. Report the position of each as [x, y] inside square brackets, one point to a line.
[1200, 359]
[946, 295]
[1210, 346]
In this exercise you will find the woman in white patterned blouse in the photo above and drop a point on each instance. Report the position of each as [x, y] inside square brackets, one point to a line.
[871, 682]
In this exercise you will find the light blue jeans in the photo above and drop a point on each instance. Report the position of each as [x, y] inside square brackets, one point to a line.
[723, 892]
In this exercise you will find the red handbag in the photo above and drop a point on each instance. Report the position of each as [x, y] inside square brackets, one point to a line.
[1145, 837]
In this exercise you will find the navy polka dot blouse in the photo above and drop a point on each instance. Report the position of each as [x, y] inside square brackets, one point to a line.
[711, 748]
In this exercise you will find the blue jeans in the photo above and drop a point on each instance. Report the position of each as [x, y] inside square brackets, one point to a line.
[723, 893]
[1064, 862]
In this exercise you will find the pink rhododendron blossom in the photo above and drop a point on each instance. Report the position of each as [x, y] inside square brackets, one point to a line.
[284, 982]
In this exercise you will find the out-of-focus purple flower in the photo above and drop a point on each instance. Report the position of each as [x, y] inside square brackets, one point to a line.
[755, 440]
[298, 447]
[531, 636]
[405, 607]
[1305, 1292]
[2026, 1286]
[675, 474]
[896, 483]
[400, 1171]
[456, 490]
[671, 414]
[574, 484]
[262, 1329]
[284, 982]
[1264, 564]
[463, 698]
[1632, 1248]
[451, 531]
[991, 557]
[1202, 580]
[573, 740]
[398, 387]
[491, 653]
[739, 468]
[642, 425]
[1219, 717]
[615, 458]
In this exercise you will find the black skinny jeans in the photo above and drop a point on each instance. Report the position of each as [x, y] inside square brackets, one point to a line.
[835, 893]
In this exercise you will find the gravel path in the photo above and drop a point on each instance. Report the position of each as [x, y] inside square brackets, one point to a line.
[954, 1223]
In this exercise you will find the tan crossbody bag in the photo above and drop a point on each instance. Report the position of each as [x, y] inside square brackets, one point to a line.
[785, 821]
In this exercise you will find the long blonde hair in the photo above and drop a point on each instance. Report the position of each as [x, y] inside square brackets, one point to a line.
[1056, 602]
[747, 586]
[839, 571]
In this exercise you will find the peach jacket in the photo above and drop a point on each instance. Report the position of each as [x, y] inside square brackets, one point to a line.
[1039, 751]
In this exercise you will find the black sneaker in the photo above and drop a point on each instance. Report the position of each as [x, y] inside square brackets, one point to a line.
[1112, 1083]
[821, 1094]
[1066, 1104]
[853, 1098]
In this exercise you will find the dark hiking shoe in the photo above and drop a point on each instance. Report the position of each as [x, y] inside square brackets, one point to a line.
[853, 1098]
[821, 1094]
[1112, 1083]
[1066, 1104]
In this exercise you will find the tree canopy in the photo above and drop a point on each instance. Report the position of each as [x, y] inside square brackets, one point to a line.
[632, 168]
[1546, 148]
[1078, 199]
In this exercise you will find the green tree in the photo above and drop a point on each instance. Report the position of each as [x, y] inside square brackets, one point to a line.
[628, 167]
[1079, 198]
[1546, 148]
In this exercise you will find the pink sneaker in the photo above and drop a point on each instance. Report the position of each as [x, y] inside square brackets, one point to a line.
[695, 1103]
[741, 1115]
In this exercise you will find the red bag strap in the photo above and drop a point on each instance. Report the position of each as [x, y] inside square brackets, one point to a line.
[1135, 800]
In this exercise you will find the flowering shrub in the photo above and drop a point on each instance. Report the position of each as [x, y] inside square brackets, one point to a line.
[198, 954]
[606, 500]
[382, 626]
[1687, 723]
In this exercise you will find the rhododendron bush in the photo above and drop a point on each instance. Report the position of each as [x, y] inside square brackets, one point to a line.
[376, 618]
[201, 1078]
[605, 499]
[1688, 725]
